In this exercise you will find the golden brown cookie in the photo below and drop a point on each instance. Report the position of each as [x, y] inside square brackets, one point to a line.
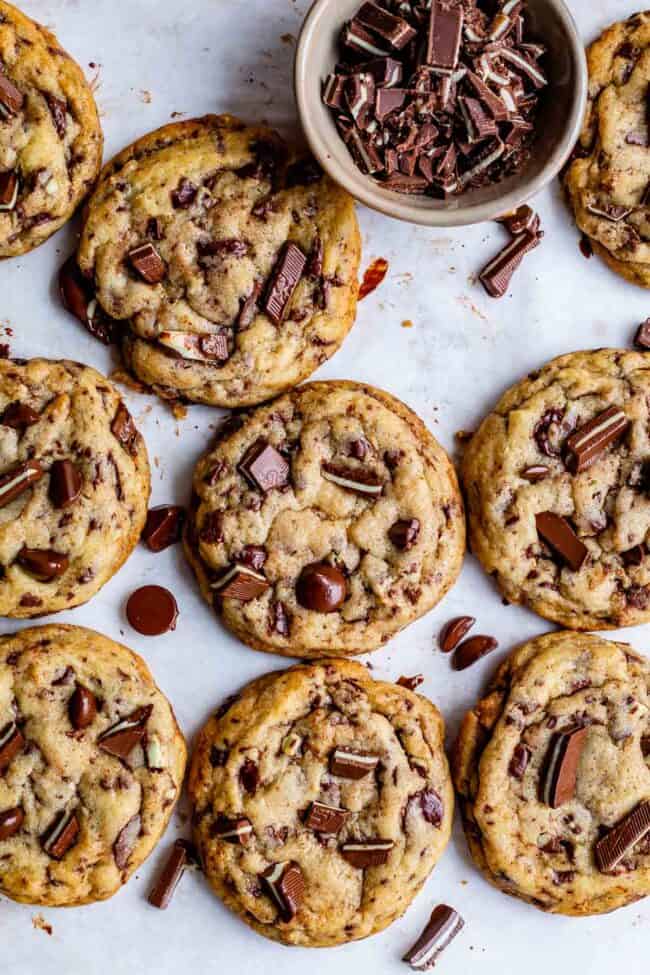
[322, 801]
[552, 771]
[50, 136]
[231, 262]
[608, 183]
[91, 765]
[325, 521]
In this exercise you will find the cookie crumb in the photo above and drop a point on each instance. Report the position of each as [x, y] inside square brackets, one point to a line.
[40, 924]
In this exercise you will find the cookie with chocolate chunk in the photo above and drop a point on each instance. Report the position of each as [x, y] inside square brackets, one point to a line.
[608, 183]
[50, 137]
[557, 486]
[325, 521]
[552, 771]
[74, 485]
[91, 765]
[231, 262]
[322, 801]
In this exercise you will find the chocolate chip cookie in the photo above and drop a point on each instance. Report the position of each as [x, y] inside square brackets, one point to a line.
[322, 801]
[325, 522]
[608, 182]
[74, 485]
[50, 136]
[91, 765]
[553, 776]
[231, 262]
[557, 481]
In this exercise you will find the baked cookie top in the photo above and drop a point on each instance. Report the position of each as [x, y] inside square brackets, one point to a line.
[557, 487]
[609, 181]
[325, 521]
[50, 137]
[74, 485]
[91, 765]
[233, 263]
[552, 770]
[322, 801]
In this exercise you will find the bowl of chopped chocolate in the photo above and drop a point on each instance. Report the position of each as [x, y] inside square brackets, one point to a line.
[441, 112]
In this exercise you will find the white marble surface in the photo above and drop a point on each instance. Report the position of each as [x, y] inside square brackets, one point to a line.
[157, 57]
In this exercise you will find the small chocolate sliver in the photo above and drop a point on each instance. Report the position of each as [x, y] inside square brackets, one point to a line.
[560, 536]
[19, 416]
[126, 840]
[367, 853]
[163, 527]
[238, 831]
[10, 822]
[325, 819]
[146, 260]
[286, 885]
[349, 764]
[620, 840]
[411, 683]
[558, 785]
[152, 610]
[264, 467]
[284, 280]
[585, 446]
[454, 631]
[122, 737]
[321, 588]
[82, 708]
[642, 337]
[44, 564]
[19, 479]
[472, 650]
[65, 483]
[169, 877]
[241, 583]
[12, 743]
[61, 836]
[444, 925]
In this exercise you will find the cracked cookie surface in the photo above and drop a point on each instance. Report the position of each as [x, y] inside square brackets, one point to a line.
[609, 182]
[71, 770]
[518, 466]
[325, 522]
[50, 136]
[74, 485]
[550, 687]
[220, 314]
[270, 755]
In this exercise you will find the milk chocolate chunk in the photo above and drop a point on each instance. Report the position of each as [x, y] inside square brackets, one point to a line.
[497, 275]
[238, 830]
[62, 835]
[642, 337]
[454, 631]
[19, 416]
[395, 30]
[444, 925]
[65, 483]
[445, 32]
[125, 842]
[44, 564]
[621, 840]
[367, 853]
[152, 610]
[585, 446]
[122, 737]
[286, 885]
[264, 467]
[163, 890]
[561, 538]
[358, 479]
[10, 822]
[123, 428]
[82, 708]
[19, 479]
[11, 98]
[146, 260]
[163, 527]
[472, 650]
[561, 768]
[321, 588]
[404, 534]
[242, 583]
[284, 280]
[12, 743]
[325, 819]
[8, 191]
[350, 764]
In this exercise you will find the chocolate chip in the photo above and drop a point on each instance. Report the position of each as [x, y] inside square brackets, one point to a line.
[62, 835]
[351, 764]
[12, 743]
[519, 761]
[264, 467]
[58, 110]
[249, 776]
[184, 195]
[325, 819]
[11, 821]
[560, 536]
[612, 848]
[163, 890]
[367, 853]
[146, 260]
[152, 610]
[471, 650]
[286, 885]
[432, 807]
[454, 631]
[284, 280]
[558, 784]
[65, 483]
[444, 925]
[122, 737]
[19, 479]
[321, 588]
[404, 534]
[44, 564]
[163, 527]
[82, 708]
[126, 840]
[19, 416]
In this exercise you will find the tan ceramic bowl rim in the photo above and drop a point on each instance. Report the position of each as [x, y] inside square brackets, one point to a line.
[398, 205]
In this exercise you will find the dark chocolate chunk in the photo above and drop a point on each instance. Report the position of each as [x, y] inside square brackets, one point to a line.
[77, 297]
[286, 885]
[237, 831]
[360, 41]
[445, 32]
[11, 821]
[202, 348]
[520, 220]
[123, 429]
[325, 819]
[264, 467]
[58, 110]
[19, 416]
[389, 100]
[432, 807]
[473, 649]
[404, 534]
[642, 337]
[249, 776]
[497, 275]
[82, 708]
[152, 610]
[444, 925]
[65, 483]
[249, 307]
[634, 556]
[44, 564]
[558, 784]
[560, 536]
[357, 479]
[367, 853]
[122, 737]
[285, 278]
[350, 764]
[12, 743]
[396, 31]
[321, 588]
[535, 473]
[11, 98]
[615, 845]
[454, 631]
[169, 877]
[387, 72]
[148, 263]
[252, 556]
[184, 195]
[62, 835]
[240, 582]
[9, 187]
[411, 683]
[519, 761]
[126, 840]
[163, 527]
[585, 446]
[19, 479]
